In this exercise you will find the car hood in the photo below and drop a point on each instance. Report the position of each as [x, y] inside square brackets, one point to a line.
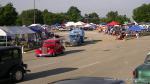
[144, 71]
[89, 80]
[145, 66]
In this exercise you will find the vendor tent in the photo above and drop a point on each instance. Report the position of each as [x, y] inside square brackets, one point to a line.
[36, 28]
[14, 30]
[135, 28]
[70, 24]
[2, 33]
[103, 23]
[35, 25]
[87, 25]
[79, 23]
[113, 23]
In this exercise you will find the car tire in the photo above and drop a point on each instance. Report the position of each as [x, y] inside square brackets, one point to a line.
[37, 55]
[53, 55]
[17, 75]
[63, 51]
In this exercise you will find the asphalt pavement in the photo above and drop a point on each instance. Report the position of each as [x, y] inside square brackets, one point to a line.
[100, 56]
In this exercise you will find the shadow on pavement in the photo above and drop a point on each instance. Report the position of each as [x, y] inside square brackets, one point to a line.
[90, 42]
[42, 74]
[7, 81]
[71, 51]
[89, 80]
[32, 76]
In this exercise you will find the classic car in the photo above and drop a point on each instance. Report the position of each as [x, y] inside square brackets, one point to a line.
[50, 47]
[142, 73]
[11, 64]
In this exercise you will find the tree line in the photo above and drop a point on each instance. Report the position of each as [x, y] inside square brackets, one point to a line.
[9, 16]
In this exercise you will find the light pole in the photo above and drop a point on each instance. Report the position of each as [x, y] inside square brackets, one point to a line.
[34, 11]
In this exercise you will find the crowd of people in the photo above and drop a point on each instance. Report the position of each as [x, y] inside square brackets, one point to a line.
[121, 32]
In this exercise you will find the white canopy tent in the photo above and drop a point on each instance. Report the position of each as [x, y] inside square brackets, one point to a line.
[5, 34]
[68, 24]
[87, 25]
[16, 30]
[2, 33]
[13, 30]
[35, 25]
[79, 23]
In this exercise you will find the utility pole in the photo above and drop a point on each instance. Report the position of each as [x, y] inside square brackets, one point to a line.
[34, 11]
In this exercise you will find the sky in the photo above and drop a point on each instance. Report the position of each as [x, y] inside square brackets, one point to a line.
[101, 7]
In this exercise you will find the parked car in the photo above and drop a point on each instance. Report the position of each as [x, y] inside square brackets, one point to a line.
[50, 47]
[89, 80]
[11, 64]
[142, 73]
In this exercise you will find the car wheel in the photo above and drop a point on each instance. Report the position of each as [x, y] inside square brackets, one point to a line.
[53, 54]
[17, 75]
[63, 51]
[37, 55]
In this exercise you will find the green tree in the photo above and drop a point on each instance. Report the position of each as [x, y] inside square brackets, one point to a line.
[19, 21]
[122, 19]
[8, 15]
[86, 18]
[104, 19]
[114, 16]
[94, 18]
[91, 18]
[60, 18]
[46, 17]
[27, 17]
[142, 13]
[53, 18]
[74, 14]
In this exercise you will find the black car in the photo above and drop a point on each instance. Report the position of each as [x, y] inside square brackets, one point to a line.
[89, 80]
[11, 64]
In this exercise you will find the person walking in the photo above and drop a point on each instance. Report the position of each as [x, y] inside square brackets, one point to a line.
[137, 35]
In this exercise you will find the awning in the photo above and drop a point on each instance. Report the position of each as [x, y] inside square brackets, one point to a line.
[70, 24]
[16, 30]
[37, 29]
[135, 28]
[113, 23]
[2, 33]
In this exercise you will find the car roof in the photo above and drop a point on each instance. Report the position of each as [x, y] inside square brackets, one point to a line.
[51, 40]
[148, 53]
[9, 47]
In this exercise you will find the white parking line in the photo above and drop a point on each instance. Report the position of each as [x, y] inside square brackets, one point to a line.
[85, 66]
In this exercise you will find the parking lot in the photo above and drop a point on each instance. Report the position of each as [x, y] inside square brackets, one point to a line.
[100, 56]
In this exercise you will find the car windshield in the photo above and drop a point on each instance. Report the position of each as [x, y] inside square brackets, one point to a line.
[49, 42]
[147, 60]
